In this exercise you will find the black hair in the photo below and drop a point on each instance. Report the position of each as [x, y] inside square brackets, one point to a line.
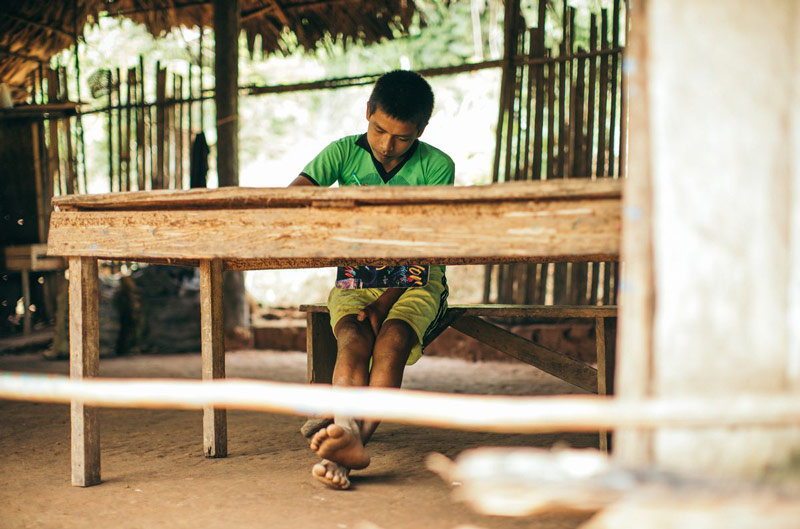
[403, 95]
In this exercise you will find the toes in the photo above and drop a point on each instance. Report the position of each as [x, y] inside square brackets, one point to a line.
[335, 431]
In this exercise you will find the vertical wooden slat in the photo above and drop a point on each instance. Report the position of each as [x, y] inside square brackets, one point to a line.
[52, 129]
[215, 440]
[110, 123]
[161, 89]
[71, 171]
[529, 74]
[615, 72]
[84, 362]
[602, 126]
[180, 131]
[559, 270]
[120, 147]
[141, 160]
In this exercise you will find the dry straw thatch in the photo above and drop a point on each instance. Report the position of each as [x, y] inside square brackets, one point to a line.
[32, 32]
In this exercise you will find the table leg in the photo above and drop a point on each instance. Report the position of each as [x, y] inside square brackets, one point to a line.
[215, 429]
[26, 301]
[84, 362]
[606, 364]
[320, 347]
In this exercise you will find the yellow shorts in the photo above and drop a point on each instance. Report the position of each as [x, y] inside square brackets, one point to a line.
[420, 307]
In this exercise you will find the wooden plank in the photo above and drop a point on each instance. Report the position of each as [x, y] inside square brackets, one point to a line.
[512, 311]
[552, 362]
[215, 438]
[320, 347]
[244, 197]
[84, 362]
[483, 232]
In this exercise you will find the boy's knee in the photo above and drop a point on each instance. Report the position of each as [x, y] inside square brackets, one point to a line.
[350, 331]
[396, 337]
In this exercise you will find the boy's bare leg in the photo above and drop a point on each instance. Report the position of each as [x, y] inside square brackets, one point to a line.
[343, 442]
[355, 341]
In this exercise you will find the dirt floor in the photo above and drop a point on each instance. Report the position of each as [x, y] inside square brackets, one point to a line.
[154, 473]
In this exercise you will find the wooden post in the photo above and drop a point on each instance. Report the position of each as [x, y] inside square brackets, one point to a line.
[226, 73]
[84, 361]
[215, 438]
[637, 299]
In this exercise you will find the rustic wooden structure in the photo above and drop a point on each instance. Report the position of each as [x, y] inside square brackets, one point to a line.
[235, 228]
[561, 115]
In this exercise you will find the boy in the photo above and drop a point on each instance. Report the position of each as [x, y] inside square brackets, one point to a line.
[381, 328]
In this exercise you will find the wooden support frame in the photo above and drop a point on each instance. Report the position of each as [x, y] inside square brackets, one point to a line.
[84, 362]
[321, 347]
[215, 429]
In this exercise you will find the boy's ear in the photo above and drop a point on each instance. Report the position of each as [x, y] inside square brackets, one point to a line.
[368, 112]
[421, 131]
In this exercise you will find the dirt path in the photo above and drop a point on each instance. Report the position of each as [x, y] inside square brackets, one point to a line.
[154, 473]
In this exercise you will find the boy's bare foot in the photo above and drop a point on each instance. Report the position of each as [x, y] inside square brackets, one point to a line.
[342, 445]
[331, 474]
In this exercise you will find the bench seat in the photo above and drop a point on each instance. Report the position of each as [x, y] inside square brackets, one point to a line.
[469, 319]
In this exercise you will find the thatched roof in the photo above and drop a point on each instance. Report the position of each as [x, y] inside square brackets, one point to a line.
[32, 32]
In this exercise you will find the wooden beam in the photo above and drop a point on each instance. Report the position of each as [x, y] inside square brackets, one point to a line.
[480, 232]
[39, 25]
[215, 430]
[555, 363]
[84, 362]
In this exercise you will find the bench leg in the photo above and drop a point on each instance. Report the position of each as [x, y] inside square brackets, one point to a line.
[215, 429]
[320, 348]
[606, 364]
[84, 362]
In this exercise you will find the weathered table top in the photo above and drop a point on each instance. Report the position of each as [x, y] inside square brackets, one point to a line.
[254, 228]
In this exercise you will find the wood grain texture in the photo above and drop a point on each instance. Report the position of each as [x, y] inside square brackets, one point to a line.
[549, 361]
[584, 229]
[215, 435]
[84, 362]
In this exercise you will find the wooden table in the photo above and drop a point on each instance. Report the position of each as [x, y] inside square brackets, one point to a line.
[27, 258]
[264, 228]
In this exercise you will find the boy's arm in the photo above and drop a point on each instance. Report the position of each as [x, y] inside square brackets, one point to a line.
[377, 311]
[302, 180]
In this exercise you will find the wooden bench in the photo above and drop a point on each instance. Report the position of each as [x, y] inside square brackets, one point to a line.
[469, 319]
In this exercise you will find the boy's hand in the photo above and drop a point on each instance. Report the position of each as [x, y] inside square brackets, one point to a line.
[377, 311]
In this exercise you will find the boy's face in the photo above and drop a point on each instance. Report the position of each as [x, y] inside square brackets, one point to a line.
[389, 138]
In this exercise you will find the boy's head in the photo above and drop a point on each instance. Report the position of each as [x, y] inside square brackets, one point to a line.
[404, 96]
[398, 111]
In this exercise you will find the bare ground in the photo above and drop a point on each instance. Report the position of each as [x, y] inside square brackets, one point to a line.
[155, 475]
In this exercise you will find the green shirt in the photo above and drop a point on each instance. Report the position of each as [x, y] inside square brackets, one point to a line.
[349, 162]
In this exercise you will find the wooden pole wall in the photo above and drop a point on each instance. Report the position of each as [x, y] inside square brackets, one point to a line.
[559, 118]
